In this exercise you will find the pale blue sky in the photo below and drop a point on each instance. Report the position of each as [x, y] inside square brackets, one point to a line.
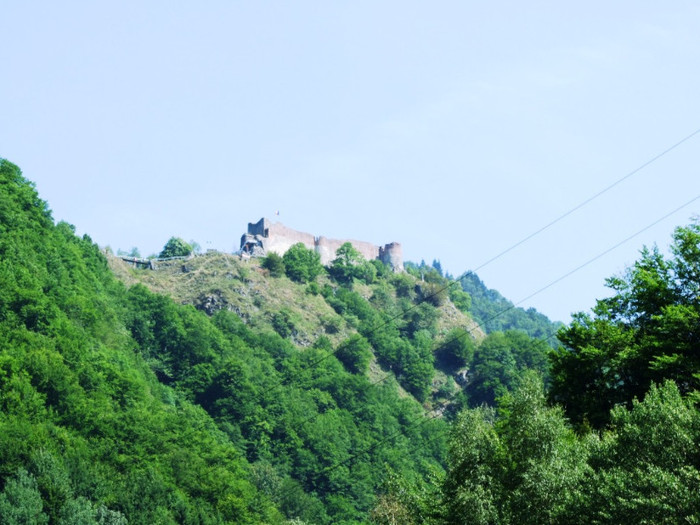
[455, 128]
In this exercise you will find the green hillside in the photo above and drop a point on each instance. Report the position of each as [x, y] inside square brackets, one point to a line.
[218, 389]
[496, 313]
[87, 432]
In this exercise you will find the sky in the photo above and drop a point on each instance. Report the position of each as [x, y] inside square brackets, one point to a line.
[455, 128]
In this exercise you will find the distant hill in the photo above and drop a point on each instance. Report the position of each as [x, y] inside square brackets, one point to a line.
[496, 313]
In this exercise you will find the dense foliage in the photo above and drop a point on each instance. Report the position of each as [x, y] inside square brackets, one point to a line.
[118, 405]
[496, 313]
[631, 371]
[302, 264]
[647, 332]
[499, 362]
[524, 464]
[87, 434]
[176, 247]
[349, 265]
[274, 264]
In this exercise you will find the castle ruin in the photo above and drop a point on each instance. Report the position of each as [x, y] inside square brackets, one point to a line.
[264, 237]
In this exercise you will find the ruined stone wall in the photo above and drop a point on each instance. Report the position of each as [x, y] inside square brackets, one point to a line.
[326, 248]
[392, 254]
[265, 237]
[258, 228]
[280, 239]
[368, 250]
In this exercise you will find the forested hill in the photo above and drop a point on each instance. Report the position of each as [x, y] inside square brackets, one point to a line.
[496, 313]
[220, 390]
[291, 391]
[489, 309]
[87, 433]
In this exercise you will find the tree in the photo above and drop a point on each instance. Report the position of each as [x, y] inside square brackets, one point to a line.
[434, 293]
[493, 371]
[472, 487]
[462, 300]
[274, 264]
[20, 502]
[647, 332]
[302, 264]
[282, 322]
[175, 247]
[349, 264]
[457, 350]
[196, 247]
[522, 464]
[355, 353]
[647, 464]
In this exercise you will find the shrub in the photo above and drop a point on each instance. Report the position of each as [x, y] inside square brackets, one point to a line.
[433, 293]
[301, 264]
[405, 286]
[175, 247]
[457, 350]
[274, 264]
[355, 354]
[332, 324]
[282, 323]
[462, 300]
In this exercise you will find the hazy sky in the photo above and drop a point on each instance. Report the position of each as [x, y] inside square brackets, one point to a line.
[454, 128]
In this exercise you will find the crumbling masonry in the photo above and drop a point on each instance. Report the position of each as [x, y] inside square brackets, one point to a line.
[264, 237]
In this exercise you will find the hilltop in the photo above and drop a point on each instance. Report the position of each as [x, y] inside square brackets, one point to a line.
[218, 281]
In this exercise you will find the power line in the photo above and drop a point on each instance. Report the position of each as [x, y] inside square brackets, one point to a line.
[516, 304]
[437, 411]
[422, 419]
[588, 200]
[549, 285]
[469, 331]
[610, 249]
[545, 227]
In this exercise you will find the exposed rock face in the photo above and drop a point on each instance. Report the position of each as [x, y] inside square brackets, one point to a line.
[264, 237]
[211, 303]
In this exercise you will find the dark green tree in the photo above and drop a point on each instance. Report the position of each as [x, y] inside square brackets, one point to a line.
[349, 264]
[273, 263]
[647, 332]
[494, 370]
[282, 322]
[20, 502]
[175, 247]
[355, 353]
[302, 264]
[457, 350]
[499, 362]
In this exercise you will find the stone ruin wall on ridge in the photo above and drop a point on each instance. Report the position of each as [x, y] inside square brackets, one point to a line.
[264, 237]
